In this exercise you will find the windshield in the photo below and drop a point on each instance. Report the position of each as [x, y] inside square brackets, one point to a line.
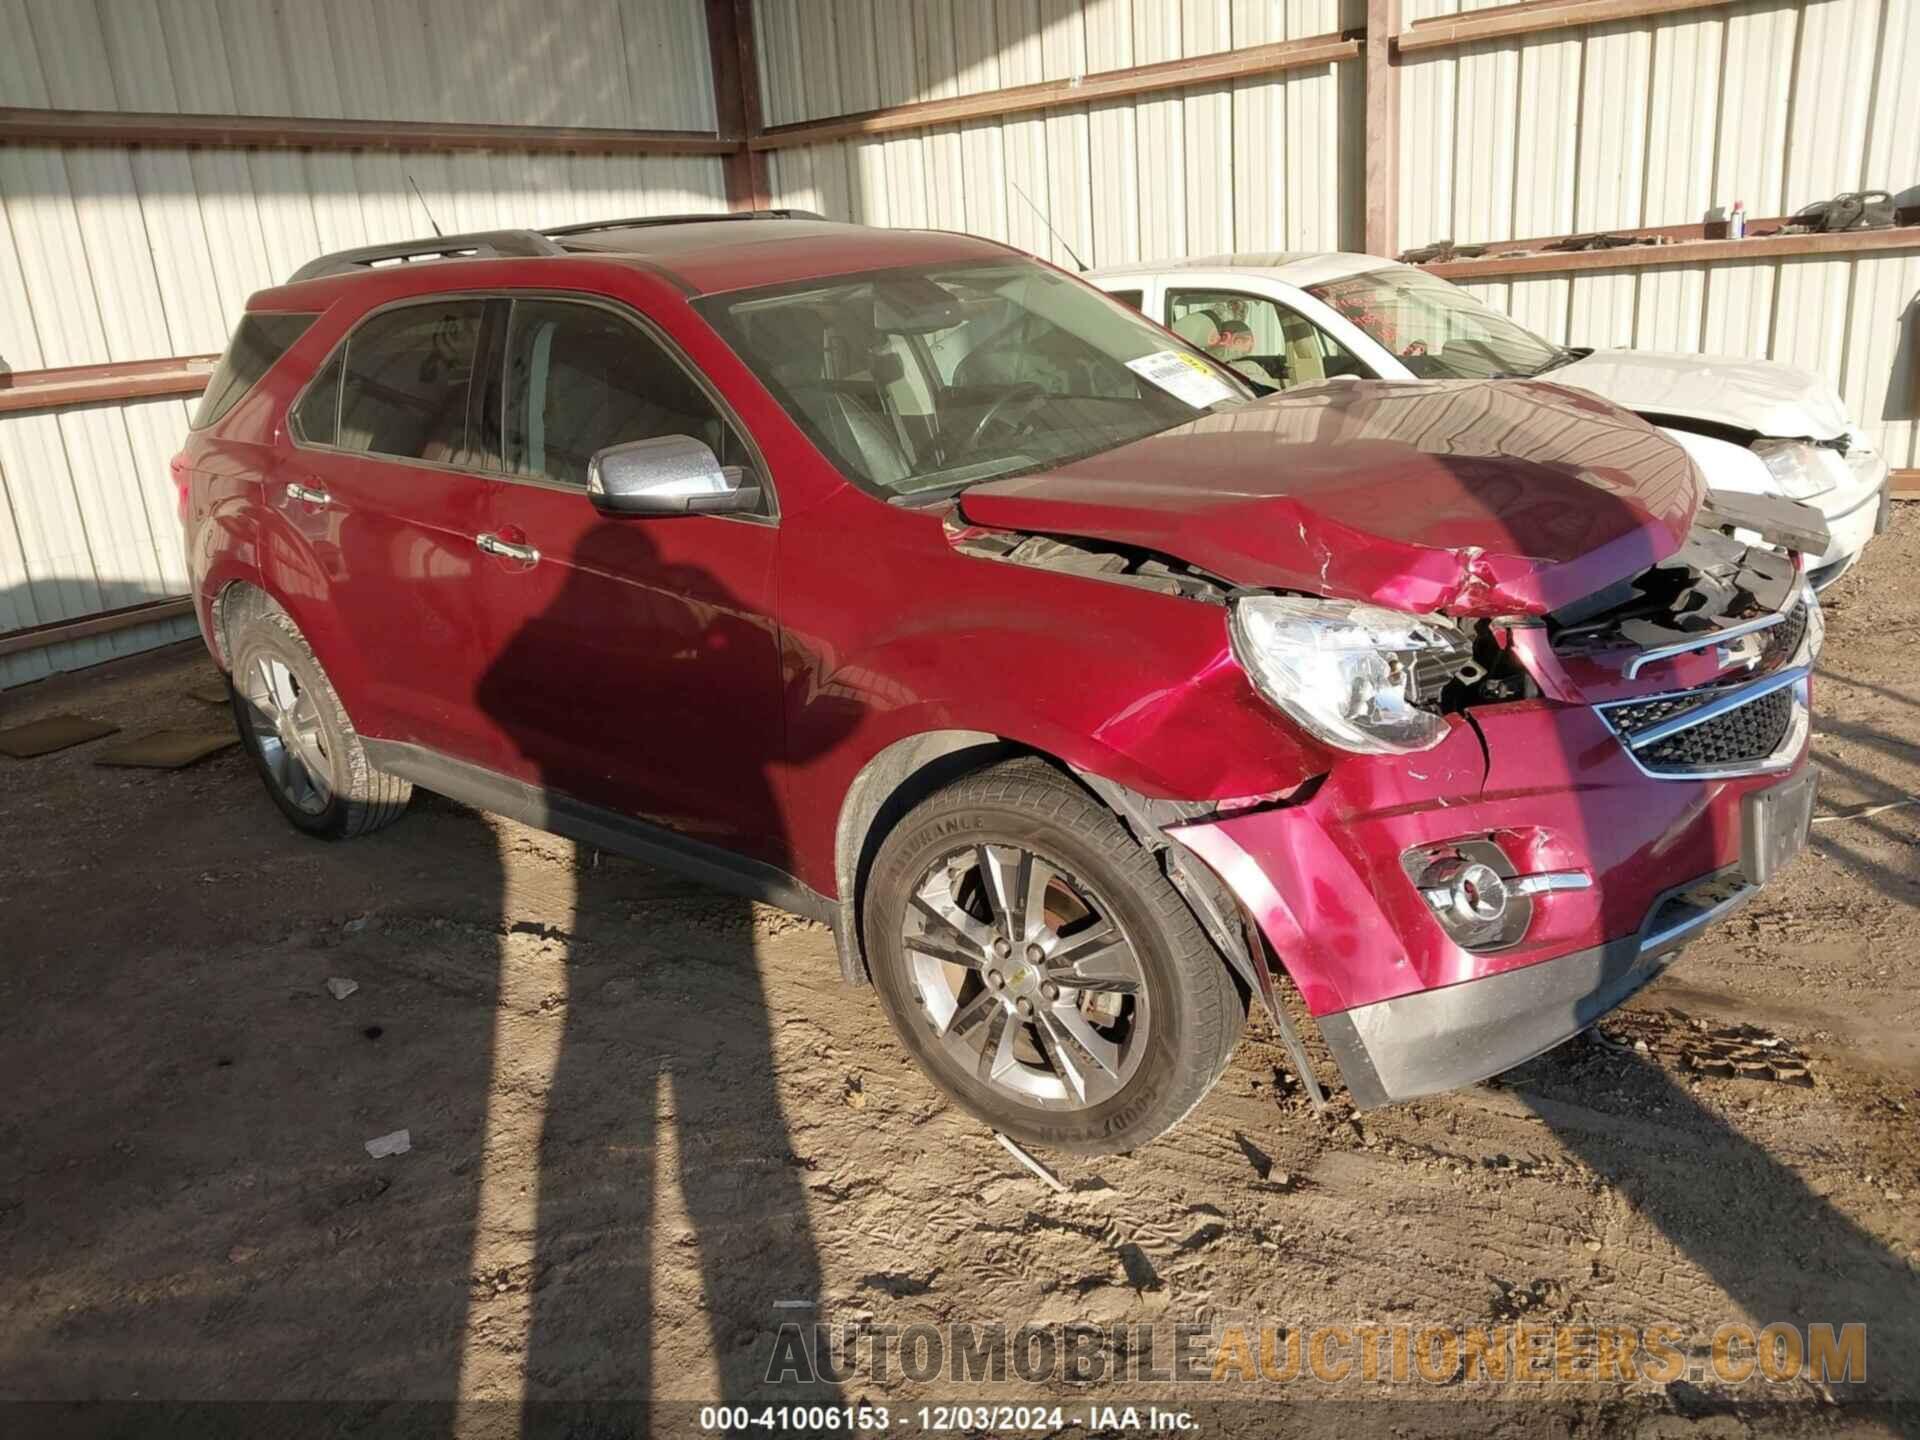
[924, 380]
[1438, 330]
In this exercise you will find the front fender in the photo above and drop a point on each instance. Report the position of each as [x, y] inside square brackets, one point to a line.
[1118, 681]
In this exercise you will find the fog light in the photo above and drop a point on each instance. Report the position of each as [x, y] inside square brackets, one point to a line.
[1474, 893]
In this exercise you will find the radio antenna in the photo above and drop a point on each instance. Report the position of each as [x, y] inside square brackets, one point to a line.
[1059, 239]
[423, 205]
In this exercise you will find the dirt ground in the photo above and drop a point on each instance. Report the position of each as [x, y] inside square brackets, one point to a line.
[649, 1126]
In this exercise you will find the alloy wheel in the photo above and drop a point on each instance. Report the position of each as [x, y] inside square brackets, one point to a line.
[1026, 977]
[286, 726]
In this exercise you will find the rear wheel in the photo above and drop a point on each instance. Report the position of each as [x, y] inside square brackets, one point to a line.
[1041, 968]
[297, 731]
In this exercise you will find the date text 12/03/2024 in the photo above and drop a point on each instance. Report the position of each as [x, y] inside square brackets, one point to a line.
[933, 1419]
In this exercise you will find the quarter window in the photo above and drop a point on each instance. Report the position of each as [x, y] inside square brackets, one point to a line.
[404, 392]
[579, 378]
[258, 341]
[316, 419]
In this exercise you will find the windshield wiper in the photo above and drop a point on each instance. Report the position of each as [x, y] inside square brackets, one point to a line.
[1567, 355]
[924, 493]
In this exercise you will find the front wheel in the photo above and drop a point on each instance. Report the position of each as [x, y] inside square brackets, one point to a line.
[1040, 966]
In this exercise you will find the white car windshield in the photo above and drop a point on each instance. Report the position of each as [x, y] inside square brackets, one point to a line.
[923, 380]
[1436, 329]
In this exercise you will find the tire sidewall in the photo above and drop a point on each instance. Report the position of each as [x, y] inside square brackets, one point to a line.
[1128, 1118]
[260, 637]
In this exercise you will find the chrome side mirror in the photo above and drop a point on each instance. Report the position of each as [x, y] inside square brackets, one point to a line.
[668, 475]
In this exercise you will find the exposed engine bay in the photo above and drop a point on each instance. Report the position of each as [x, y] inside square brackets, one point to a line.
[1711, 582]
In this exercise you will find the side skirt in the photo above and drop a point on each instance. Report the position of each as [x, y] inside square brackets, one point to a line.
[608, 829]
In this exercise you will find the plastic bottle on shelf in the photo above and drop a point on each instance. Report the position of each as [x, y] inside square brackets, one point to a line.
[1737, 221]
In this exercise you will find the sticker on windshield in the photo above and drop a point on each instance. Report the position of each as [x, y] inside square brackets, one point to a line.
[1185, 377]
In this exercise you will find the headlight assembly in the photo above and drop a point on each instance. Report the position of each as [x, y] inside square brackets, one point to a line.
[1801, 469]
[1354, 675]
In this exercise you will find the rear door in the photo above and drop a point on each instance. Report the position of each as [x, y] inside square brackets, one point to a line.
[387, 485]
[636, 660]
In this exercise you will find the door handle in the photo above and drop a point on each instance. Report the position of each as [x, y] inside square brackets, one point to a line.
[507, 550]
[297, 491]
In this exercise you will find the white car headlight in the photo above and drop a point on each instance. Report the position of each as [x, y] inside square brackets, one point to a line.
[1801, 469]
[1349, 673]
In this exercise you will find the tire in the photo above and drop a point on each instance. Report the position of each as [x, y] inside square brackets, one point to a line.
[344, 796]
[997, 836]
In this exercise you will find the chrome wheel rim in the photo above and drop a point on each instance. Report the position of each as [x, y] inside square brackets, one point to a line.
[285, 720]
[1026, 978]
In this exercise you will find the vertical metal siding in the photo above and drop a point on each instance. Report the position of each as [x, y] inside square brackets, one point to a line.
[1772, 103]
[1264, 163]
[127, 254]
[1658, 121]
[631, 63]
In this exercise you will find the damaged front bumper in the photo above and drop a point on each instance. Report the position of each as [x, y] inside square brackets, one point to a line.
[1621, 846]
[1441, 1039]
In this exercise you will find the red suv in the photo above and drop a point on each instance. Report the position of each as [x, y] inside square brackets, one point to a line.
[904, 581]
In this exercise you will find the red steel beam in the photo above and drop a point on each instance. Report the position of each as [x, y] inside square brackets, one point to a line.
[24, 390]
[1698, 252]
[1383, 129]
[1444, 32]
[134, 127]
[736, 100]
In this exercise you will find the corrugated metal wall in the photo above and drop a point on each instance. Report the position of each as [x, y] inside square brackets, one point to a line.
[1266, 163]
[1658, 121]
[132, 254]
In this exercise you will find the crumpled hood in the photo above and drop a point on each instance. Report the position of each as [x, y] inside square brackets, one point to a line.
[1756, 395]
[1472, 497]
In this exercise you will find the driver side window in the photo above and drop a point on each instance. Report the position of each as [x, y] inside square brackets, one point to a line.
[579, 378]
[1267, 342]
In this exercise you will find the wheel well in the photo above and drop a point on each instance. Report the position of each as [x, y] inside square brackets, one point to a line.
[908, 771]
[887, 787]
[223, 608]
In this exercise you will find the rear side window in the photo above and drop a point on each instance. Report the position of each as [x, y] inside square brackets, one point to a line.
[261, 339]
[404, 389]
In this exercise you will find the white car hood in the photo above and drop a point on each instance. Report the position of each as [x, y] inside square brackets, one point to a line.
[1756, 395]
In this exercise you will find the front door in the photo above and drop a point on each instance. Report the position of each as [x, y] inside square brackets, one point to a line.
[1267, 342]
[635, 661]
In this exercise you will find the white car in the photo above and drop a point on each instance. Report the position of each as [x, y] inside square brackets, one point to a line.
[1298, 319]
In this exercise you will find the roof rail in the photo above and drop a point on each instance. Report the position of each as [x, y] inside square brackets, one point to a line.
[485, 244]
[508, 244]
[635, 222]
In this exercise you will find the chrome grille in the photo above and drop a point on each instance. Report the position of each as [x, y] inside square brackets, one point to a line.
[1631, 720]
[1783, 640]
[1744, 736]
[1721, 730]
